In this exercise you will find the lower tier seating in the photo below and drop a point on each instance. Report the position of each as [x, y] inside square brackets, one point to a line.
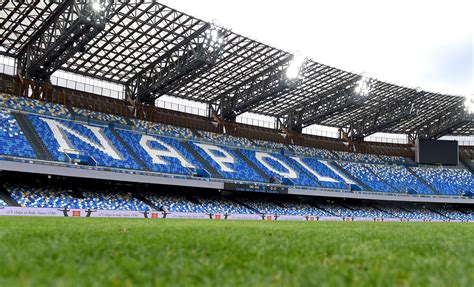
[115, 198]
[54, 197]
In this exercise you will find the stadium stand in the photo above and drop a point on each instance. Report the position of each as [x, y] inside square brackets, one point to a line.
[100, 116]
[33, 106]
[96, 141]
[56, 197]
[145, 146]
[365, 175]
[450, 181]
[114, 197]
[14, 142]
[400, 178]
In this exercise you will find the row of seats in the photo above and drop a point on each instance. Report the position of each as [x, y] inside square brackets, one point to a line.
[451, 181]
[57, 110]
[163, 130]
[13, 141]
[53, 196]
[400, 178]
[99, 142]
[100, 116]
[33, 106]
[169, 155]
[225, 139]
[313, 152]
[2, 203]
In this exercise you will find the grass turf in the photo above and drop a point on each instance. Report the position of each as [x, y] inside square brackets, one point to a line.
[135, 252]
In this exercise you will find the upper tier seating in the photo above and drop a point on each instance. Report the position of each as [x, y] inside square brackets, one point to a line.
[164, 130]
[96, 141]
[450, 181]
[100, 116]
[278, 162]
[394, 159]
[33, 106]
[400, 178]
[99, 142]
[358, 157]
[365, 175]
[167, 164]
[238, 170]
[13, 141]
[277, 147]
[225, 139]
[323, 170]
[313, 152]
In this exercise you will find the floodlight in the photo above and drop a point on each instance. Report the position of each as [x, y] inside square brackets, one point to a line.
[214, 37]
[96, 6]
[364, 86]
[469, 104]
[296, 66]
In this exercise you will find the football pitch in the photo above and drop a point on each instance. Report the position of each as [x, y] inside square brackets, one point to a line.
[166, 252]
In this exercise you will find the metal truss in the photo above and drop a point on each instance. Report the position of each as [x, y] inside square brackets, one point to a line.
[444, 123]
[384, 117]
[179, 65]
[69, 29]
[264, 86]
[143, 40]
[330, 101]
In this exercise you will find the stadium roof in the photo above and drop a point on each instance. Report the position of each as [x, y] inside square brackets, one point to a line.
[138, 33]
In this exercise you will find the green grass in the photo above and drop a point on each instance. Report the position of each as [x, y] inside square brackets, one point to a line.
[139, 252]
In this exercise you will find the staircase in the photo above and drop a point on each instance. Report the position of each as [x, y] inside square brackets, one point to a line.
[245, 205]
[323, 209]
[251, 164]
[422, 180]
[383, 180]
[71, 111]
[196, 133]
[335, 165]
[32, 136]
[437, 212]
[383, 211]
[145, 200]
[6, 196]
[212, 171]
[129, 149]
[467, 163]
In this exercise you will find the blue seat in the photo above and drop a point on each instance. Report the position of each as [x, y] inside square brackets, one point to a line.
[13, 141]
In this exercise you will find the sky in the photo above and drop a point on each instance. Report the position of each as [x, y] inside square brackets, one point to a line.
[417, 43]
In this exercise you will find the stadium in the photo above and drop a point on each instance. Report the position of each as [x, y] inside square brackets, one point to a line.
[107, 178]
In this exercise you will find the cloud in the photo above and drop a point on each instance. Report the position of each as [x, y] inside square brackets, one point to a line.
[394, 41]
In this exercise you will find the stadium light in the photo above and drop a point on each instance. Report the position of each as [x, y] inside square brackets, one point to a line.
[296, 67]
[364, 86]
[97, 6]
[469, 104]
[214, 37]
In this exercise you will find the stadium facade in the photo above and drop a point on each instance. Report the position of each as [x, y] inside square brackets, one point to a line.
[66, 152]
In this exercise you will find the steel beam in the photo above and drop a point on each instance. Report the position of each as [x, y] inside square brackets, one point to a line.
[67, 31]
[178, 66]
